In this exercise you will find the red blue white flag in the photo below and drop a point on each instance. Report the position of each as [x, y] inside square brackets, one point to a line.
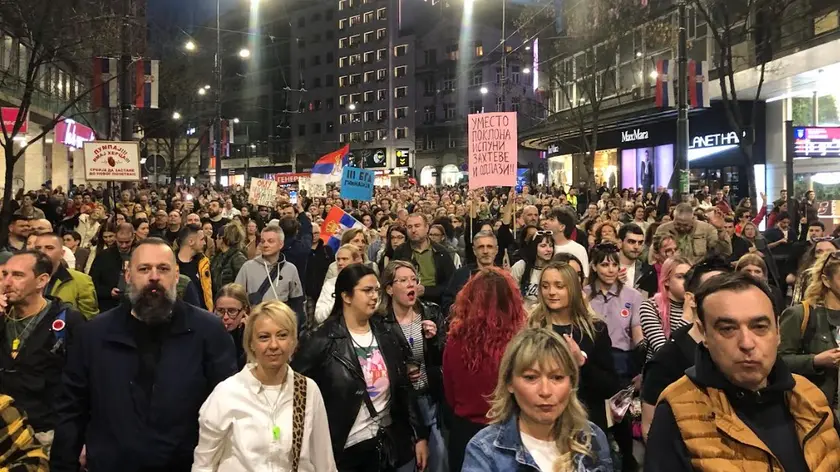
[147, 87]
[664, 84]
[328, 168]
[336, 223]
[698, 84]
[105, 93]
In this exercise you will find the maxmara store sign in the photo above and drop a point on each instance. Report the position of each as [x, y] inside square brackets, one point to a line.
[635, 135]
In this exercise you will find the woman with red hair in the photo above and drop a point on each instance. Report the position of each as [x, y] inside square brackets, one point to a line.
[487, 314]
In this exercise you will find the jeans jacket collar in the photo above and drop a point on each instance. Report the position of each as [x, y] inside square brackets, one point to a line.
[509, 439]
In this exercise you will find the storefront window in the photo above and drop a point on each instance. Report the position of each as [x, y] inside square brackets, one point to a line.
[606, 167]
[560, 170]
[450, 175]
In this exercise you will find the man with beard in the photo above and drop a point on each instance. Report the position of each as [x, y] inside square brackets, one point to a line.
[37, 332]
[194, 264]
[214, 211]
[697, 239]
[110, 265]
[68, 285]
[132, 390]
[160, 226]
[19, 230]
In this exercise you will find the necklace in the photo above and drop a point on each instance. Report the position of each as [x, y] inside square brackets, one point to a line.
[16, 342]
[370, 344]
[275, 429]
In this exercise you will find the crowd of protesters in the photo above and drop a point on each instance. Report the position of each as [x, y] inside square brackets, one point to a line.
[182, 328]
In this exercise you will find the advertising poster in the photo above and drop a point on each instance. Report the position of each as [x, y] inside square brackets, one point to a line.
[112, 160]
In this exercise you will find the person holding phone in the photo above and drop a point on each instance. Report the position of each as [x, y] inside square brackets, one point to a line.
[109, 267]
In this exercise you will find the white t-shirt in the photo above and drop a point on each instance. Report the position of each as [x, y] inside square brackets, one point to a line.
[631, 273]
[378, 387]
[533, 285]
[575, 249]
[545, 453]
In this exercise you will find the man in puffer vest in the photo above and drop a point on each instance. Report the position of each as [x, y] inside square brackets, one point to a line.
[739, 408]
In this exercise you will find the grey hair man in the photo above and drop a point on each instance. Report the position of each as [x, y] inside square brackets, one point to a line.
[697, 239]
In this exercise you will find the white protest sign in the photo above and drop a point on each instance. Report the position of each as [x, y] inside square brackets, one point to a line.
[263, 192]
[112, 160]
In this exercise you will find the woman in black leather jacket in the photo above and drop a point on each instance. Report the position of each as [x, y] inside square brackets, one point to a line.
[359, 362]
[422, 326]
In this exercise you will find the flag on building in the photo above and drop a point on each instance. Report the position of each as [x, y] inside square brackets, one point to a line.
[698, 84]
[328, 168]
[105, 93]
[147, 84]
[336, 223]
[664, 84]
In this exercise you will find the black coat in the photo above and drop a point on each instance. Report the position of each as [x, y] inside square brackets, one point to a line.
[102, 406]
[432, 348]
[318, 265]
[33, 378]
[326, 355]
[444, 268]
[105, 272]
[456, 283]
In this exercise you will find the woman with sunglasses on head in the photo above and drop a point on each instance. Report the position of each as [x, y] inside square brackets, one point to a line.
[232, 307]
[526, 272]
[359, 362]
[564, 309]
[422, 325]
[618, 305]
[266, 417]
[809, 330]
[536, 418]
[663, 313]
[487, 313]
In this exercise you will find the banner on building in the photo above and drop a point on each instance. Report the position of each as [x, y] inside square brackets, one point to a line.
[10, 116]
[698, 84]
[112, 160]
[263, 192]
[73, 134]
[105, 93]
[290, 178]
[492, 150]
[664, 84]
[147, 84]
[357, 184]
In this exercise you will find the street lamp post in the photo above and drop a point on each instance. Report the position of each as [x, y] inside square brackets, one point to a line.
[218, 93]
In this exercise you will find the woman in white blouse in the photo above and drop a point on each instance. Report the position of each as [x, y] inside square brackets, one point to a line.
[247, 422]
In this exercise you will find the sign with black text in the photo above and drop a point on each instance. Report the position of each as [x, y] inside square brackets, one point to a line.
[357, 184]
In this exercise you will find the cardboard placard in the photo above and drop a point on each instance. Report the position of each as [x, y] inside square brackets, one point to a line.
[492, 150]
[112, 160]
[357, 184]
[263, 192]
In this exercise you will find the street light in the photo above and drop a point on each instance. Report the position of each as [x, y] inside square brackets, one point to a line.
[484, 90]
[236, 121]
[526, 70]
[202, 91]
[352, 106]
[190, 46]
[244, 53]
[206, 87]
[176, 116]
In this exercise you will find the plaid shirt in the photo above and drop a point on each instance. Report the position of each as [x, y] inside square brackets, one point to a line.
[19, 451]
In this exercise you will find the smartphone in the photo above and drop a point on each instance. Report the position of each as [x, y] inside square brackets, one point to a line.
[293, 195]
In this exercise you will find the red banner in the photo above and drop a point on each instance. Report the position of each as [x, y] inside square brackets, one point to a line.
[289, 178]
[10, 115]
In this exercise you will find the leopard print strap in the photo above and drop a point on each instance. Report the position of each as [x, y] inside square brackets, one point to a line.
[298, 416]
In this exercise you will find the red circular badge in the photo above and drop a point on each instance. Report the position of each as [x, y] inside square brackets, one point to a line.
[58, 325]
[625, 313]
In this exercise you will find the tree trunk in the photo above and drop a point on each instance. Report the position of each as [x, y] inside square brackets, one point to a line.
[6, 212]
[747, 150]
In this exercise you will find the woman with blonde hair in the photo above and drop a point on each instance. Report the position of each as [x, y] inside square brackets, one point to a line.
[251, 420]
[809, 330]
[232, 307]
[346, 255]
[563, 308]
[534, 410]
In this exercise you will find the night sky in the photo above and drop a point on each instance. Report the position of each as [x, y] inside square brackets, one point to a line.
[186, 13]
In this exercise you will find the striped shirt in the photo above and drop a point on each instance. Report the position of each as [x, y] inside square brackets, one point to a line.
[414, 335]
[652, 324]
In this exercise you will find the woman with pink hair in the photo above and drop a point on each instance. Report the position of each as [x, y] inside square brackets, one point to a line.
[663, 314]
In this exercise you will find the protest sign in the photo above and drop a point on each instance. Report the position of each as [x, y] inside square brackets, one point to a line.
[357, 184]
[492, 150]
[263, 192]
[112, 160]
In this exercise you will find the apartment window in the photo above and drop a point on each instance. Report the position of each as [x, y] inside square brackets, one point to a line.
[368, 17]
[401, 50]
[342, 24]
[301, 22]
[316, 128]
[342, 100]
[355, 20]
[400, 71]
[449, 111]
[355, 40]
[369, 135]
[368, 37]
[400, 92]
[449, 84]
[380, 95]
[430, 57]
[330, 58]
[369, 116]
[343, 4]
[380, 14]
[382, 134]
[343, 119]
[342, 61]
[380, 115]
[316, 105]
[355, 59]
[330, 104]
[476, 78]
[301, 130]
[476, 106]
[381, 74]
[330, 127]
[342, 138]
[355, 79]
[380, 33]
[429, 114]
[402, 133]
[429, 87]
[342, 43]
[369, 57]
[452, 52]
[342, 81]
[514, 74]
[369, 76]
[356, 117]
[452, 142]
[330, 82]
[514, 103]
[479, 49]
[316, 60]
[381, 54]
[369, 96]
[355, 98]
[355, 137]
[400, 112]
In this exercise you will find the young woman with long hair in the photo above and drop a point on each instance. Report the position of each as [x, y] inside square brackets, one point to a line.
[232, 307]
[359, 362]
[563, 308]
[663, 313]
[397, 235]
[806, 266]
[252, 240]
[105, 238]
[526, 272]
[754, 265]
[535, 414]
[487, 313]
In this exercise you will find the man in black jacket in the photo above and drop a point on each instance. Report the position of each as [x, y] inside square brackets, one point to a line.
[109, 266]
[143, 418]
[37, 331]
[433, 262]
[485, 246]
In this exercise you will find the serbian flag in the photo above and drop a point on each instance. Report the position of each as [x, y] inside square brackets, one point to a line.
[664, 84]
[328, 168]
[147, 86]
[105, 92]
[335, 224]
[698, 84]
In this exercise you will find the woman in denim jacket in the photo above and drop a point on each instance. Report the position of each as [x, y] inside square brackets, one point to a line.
[537, 422]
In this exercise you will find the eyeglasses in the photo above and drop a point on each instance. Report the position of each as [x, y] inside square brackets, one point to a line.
[228, 312]
[405, 281]
[545, 233]
[369, 291]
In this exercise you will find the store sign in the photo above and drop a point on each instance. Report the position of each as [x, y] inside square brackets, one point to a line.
[73, 134]
[10, 116]
[816, 142]
[402, 158]
[553, 149]
[715, 140]
[634, 135]
[289, 178]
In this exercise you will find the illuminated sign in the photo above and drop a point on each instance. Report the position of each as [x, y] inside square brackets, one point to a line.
[635, 135]
[816, 142]
[715, 140]
[73, 134]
